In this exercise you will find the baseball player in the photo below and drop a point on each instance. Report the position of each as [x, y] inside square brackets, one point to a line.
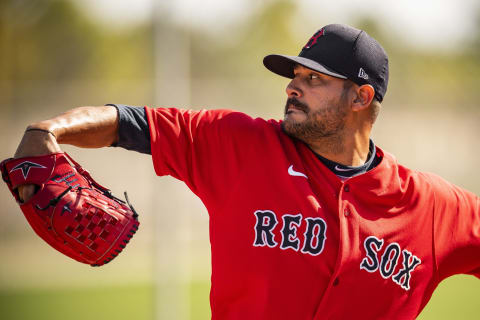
[309, 219]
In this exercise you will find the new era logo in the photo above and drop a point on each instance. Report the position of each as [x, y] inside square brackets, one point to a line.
[362, 74]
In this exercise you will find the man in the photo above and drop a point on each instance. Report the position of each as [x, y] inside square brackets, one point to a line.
[308, 218]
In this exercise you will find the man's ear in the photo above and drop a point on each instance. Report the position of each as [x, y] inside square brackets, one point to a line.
[364, 96]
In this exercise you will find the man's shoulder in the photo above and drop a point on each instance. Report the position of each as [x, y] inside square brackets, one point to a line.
[391, 162]
[396, 176]
[424, 180]
[218, 115]
[234, 116]
[233, 121]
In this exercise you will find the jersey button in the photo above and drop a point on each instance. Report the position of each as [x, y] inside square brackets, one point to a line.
[346, 213]
[336, 282]
[346, 188]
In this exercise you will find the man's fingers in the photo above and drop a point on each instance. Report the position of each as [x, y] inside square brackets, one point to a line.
[26, 192]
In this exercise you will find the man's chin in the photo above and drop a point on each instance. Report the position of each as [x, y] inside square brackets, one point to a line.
[289, 128]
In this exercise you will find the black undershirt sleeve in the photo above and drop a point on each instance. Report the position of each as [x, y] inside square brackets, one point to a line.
[133, 130]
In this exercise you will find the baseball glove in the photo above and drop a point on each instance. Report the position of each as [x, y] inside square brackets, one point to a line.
[70, 211]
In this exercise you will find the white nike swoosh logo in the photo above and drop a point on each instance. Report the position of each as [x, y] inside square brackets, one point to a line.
[295, 173]
[340, 169]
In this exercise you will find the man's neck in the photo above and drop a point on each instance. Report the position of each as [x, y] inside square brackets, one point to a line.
[349, 150]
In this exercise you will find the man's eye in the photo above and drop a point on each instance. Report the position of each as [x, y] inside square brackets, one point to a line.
[314, 76]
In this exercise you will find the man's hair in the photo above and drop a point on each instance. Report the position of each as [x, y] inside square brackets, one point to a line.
[374, 108]
[347, 84]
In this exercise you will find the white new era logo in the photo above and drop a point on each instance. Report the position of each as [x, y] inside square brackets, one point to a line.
[362, 74]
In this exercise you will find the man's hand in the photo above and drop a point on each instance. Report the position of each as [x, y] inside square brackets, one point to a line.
[34, 143]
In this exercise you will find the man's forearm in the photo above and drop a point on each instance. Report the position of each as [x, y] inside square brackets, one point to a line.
[86, 127]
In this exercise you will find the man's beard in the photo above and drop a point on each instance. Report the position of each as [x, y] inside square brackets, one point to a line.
[327, 122]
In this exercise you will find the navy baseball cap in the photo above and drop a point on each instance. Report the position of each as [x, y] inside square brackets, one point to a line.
[339, 51]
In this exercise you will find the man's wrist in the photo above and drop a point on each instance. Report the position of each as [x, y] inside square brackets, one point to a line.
[36, 141]
[41, 130]
[45, 125]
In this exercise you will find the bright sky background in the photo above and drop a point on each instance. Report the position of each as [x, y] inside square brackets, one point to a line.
[439, 23]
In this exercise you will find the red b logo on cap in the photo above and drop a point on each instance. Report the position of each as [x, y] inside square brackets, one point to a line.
[313, 39]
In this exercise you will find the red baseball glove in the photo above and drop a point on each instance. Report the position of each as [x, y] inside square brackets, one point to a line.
[70, 211]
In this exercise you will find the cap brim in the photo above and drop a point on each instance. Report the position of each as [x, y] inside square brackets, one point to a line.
[283, 65]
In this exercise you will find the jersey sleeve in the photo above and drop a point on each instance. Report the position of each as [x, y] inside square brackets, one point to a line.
[206, 149]
[456, 229]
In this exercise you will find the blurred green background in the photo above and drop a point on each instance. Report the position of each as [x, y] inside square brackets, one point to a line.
[58, 54]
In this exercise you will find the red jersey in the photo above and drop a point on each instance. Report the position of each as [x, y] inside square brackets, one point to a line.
[290, 240]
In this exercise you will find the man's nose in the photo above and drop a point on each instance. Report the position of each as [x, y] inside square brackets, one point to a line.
[293, 90]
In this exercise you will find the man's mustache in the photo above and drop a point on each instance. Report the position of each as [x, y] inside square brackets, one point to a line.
[297, 104]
